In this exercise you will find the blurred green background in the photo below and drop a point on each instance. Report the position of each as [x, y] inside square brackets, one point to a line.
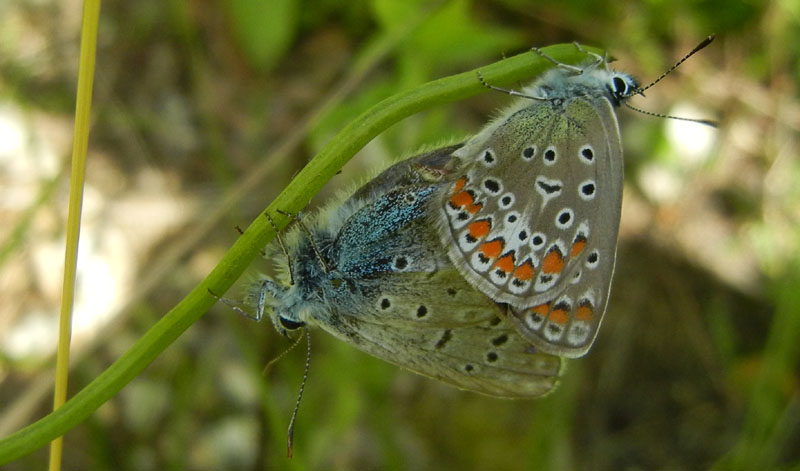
[204, 110]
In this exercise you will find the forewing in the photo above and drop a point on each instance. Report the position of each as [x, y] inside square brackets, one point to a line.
[388, 235]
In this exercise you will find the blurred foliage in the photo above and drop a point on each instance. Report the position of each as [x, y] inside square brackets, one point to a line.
[264, 30]
[695, 367]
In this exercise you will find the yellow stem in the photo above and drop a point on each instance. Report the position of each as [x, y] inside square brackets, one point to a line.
[91, 13]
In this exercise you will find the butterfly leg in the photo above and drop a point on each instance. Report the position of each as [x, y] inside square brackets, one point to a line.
[507, 90]
[597, 57]
[233, 305]
[283, 246]
[241, 232]
[267, 287]
[574, 70]
[304, 228]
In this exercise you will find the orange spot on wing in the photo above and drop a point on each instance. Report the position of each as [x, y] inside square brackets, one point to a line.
[541, 309]
[559, 316]
[461, 199]
[459, 185]
[553, 262]
[474, 208]
[525, 271]
[584, 312]
[577, 247]
[492, 249]
[479, 229]
[505, 263]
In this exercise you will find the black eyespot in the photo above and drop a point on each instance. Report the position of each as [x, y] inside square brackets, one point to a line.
[554, 328]
[385, 303]
[500, 340]
[592, 258]
[400, 263]
[512, 218]
[564, 217]
[469, 368]
[491, 357]
[548, 188]
[537, 240]
[587, 153]
[488, 157]
[492, 186]
[528, 152]
[522, 235]
[289, 324]
[448, 334]
[422, 311]
[550, 155]
[506, 200]
[588, 189]
[562, 306]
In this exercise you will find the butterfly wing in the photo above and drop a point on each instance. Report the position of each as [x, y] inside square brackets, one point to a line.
[394, 294]
[423, 168]
[532, 219]
[437, 325]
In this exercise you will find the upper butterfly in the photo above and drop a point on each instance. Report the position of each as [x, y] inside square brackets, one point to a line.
[533, 216]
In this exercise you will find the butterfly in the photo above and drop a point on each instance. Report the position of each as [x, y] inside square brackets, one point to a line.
[371, 271]
[532, 215]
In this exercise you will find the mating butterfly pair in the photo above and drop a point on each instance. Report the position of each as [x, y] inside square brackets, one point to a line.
[482, 264]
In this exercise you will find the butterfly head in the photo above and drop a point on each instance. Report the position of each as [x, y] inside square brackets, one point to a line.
[277, 300]
[613, 85]
[621, 86]
[593, 80]
[284, 325]
[286, 316]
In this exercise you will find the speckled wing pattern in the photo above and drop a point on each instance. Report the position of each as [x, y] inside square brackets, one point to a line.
[391, 291]
[533, 214]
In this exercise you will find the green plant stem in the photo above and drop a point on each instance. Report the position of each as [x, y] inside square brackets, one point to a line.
[294, 198]
[80, 144]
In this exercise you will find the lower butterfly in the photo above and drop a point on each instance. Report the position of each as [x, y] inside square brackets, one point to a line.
[372, 272]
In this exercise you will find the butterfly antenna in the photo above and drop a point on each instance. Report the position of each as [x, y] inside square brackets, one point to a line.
[275, 360]
[706, 122]
[697, 48]
[290, 433]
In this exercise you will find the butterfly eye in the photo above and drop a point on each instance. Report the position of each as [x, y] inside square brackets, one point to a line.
[620, 86]
[289, 324]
